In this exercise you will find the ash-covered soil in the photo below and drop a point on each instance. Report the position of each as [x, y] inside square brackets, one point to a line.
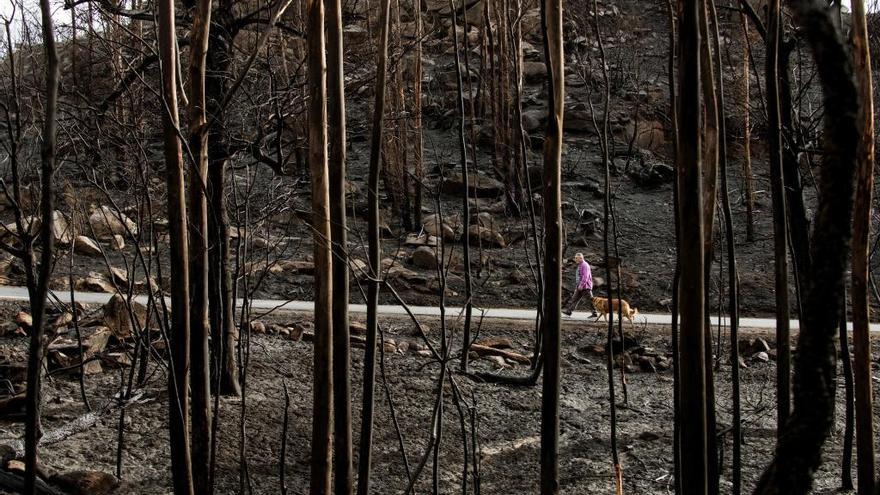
[507, 417]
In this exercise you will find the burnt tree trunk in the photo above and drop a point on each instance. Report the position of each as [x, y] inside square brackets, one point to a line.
[198, 249]
[178, 378]
[342, 467]
[322, 406]
[861, 229]
[551, 11]
[799, 448]
[47, 239]
[689, 164]
[369, 383]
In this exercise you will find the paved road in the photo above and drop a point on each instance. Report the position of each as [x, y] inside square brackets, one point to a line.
[20, 294]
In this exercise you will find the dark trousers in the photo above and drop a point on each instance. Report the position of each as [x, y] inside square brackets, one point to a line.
[576, 298]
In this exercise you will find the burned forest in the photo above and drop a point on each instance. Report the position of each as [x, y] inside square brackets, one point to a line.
[438, 246]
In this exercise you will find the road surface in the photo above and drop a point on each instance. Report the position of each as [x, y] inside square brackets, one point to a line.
[10, 293]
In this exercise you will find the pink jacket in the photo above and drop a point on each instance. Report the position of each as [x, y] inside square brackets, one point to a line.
[584, 276]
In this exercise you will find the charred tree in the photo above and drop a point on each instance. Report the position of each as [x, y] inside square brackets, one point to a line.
[198, 249]
[551, 14]
[691, 300]
[178, 378]
[47, 238]
[342, 445]
[323, 348]
[369, 383]
[860, 268]
[780, 223]
[465, 207]
[798, 452]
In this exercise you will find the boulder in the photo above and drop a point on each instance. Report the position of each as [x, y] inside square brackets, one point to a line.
[534, 72]
[117, 242]
[421, 240]
[488, 236]
[647, 134]
[424, 257]
[107, 222]
[61, 229]
[479, 185]
[94, 282]
[449, 229]
[534, 119]
[118, 318]
[86, 246]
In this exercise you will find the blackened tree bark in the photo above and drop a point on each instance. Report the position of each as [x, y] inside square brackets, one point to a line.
[689, 164]
[553, 53]
[861, 229]
[198, 249]
[342, 446]
[221, 311]
[178, 378]
[798, 453]
[47, 238]
[465, 207]
[369, 384]
[322, 406]
[777, 189]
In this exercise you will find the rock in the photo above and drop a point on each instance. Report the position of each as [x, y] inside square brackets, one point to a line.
[421, 240]
[498, 362]
[86, 246]
[24, 320]
[578, 121]
[479, 185]
[389, 347]
[646, 363]
[94, 282]
[534, 72]
[106, 222]
[449, 229]
[359, 269]
[424, 257]
[356, 328]
[402, 347]
[649, 436]
[296, 266]
[258, 327]
[85, 482]
[649, 134]
[488, 237]
[61, 229]
[118, 319]
[533, 120]
[117, 242]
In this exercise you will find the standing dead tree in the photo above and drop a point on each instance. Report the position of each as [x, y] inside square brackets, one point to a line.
[861, 228]
[369, 383]
[342, 445]
[318, 165]
[689, 164]
[198, 248]
[551, 14]
[47, 238]
[783, 370]
[798, 453]
[178, 378]
[465, 207]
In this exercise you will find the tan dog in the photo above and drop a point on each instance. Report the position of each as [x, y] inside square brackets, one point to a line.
[601, 305]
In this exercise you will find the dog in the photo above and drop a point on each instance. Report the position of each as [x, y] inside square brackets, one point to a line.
[601, 306]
